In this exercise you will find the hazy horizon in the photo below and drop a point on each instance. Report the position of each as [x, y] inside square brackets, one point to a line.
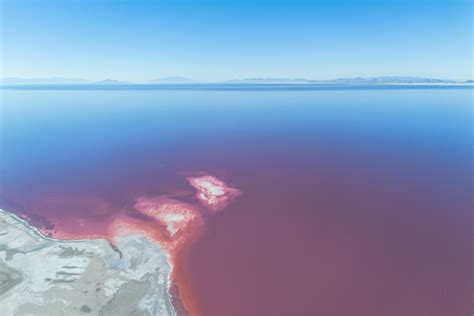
[182, 79]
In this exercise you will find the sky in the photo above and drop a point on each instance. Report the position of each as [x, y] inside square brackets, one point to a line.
[218, 40]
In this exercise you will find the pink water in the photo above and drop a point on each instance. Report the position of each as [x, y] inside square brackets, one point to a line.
[351, 201]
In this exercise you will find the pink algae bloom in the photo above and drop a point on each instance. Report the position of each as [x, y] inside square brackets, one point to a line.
[212, 192]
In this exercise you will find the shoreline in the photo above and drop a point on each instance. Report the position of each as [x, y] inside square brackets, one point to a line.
[170, 224]
[170, 284]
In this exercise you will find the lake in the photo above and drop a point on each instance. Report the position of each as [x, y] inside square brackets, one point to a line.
[353, 199]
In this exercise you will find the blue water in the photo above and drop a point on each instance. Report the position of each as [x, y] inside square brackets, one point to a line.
[355, 199]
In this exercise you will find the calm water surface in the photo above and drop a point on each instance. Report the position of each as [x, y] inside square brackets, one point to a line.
[354, 201]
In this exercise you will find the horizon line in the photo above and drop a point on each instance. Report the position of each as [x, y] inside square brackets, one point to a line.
[256, 80]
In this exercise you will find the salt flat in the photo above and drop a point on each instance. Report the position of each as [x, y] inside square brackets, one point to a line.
[44, 276]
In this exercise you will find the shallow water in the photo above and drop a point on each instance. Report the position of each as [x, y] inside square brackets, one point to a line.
[352, 200]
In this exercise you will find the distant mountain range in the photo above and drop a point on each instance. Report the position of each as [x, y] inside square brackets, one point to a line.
[109, 81]
[355, 80]
[390, 79]
[180, 80]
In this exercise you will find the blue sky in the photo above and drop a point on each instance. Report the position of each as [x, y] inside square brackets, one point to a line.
[218, 40]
